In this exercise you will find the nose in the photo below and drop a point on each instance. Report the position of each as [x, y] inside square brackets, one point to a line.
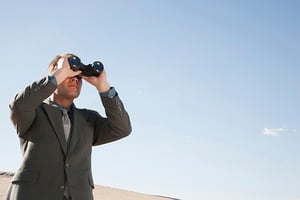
[76, 79]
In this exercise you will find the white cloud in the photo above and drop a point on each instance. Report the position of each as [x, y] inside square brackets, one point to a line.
[276, 131]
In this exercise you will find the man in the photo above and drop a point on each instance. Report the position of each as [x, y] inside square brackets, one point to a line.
[57, 146]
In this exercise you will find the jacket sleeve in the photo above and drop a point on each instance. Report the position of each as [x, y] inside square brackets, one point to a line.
[117, 124]
[23, 107]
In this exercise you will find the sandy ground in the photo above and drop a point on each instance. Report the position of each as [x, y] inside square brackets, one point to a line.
[100, 192]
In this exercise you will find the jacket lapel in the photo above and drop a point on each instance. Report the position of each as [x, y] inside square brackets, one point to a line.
[54, 115]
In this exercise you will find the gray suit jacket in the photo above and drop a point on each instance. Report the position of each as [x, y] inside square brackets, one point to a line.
[47, 160]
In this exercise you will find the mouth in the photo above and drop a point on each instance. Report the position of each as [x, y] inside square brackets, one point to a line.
[74, 86]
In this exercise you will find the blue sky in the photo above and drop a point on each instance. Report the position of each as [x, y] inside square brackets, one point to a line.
[212, 89]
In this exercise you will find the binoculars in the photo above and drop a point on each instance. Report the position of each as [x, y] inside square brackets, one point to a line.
[86, 70]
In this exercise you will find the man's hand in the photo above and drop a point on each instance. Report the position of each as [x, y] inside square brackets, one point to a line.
[64, 70]
[99, 82]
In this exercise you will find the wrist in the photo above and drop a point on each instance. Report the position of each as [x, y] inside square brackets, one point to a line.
[103, 87]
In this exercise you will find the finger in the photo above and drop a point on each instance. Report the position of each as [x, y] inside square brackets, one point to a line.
[76, 73]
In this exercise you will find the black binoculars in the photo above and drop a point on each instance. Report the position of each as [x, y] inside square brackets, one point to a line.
[86, 70]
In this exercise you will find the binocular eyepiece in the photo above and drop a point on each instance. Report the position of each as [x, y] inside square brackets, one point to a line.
[86, 70]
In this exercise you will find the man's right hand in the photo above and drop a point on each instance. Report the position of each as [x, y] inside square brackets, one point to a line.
[64, 70]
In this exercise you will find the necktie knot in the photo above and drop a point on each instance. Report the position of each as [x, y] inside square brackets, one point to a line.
[65, 111]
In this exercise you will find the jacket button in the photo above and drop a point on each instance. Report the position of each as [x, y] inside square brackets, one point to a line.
[61, 187]
[67, 165]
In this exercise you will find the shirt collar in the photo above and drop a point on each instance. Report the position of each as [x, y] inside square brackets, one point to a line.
[54, 104]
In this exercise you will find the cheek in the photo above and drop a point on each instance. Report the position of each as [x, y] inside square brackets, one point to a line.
[61, 89]
[79, 87]
[80, 84]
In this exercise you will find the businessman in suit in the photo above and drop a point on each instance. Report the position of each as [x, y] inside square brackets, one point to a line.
[56, 137]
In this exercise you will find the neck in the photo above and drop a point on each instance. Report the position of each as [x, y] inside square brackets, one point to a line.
[65, 102]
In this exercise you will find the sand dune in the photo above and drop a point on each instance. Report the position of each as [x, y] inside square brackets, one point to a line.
[100, 192]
